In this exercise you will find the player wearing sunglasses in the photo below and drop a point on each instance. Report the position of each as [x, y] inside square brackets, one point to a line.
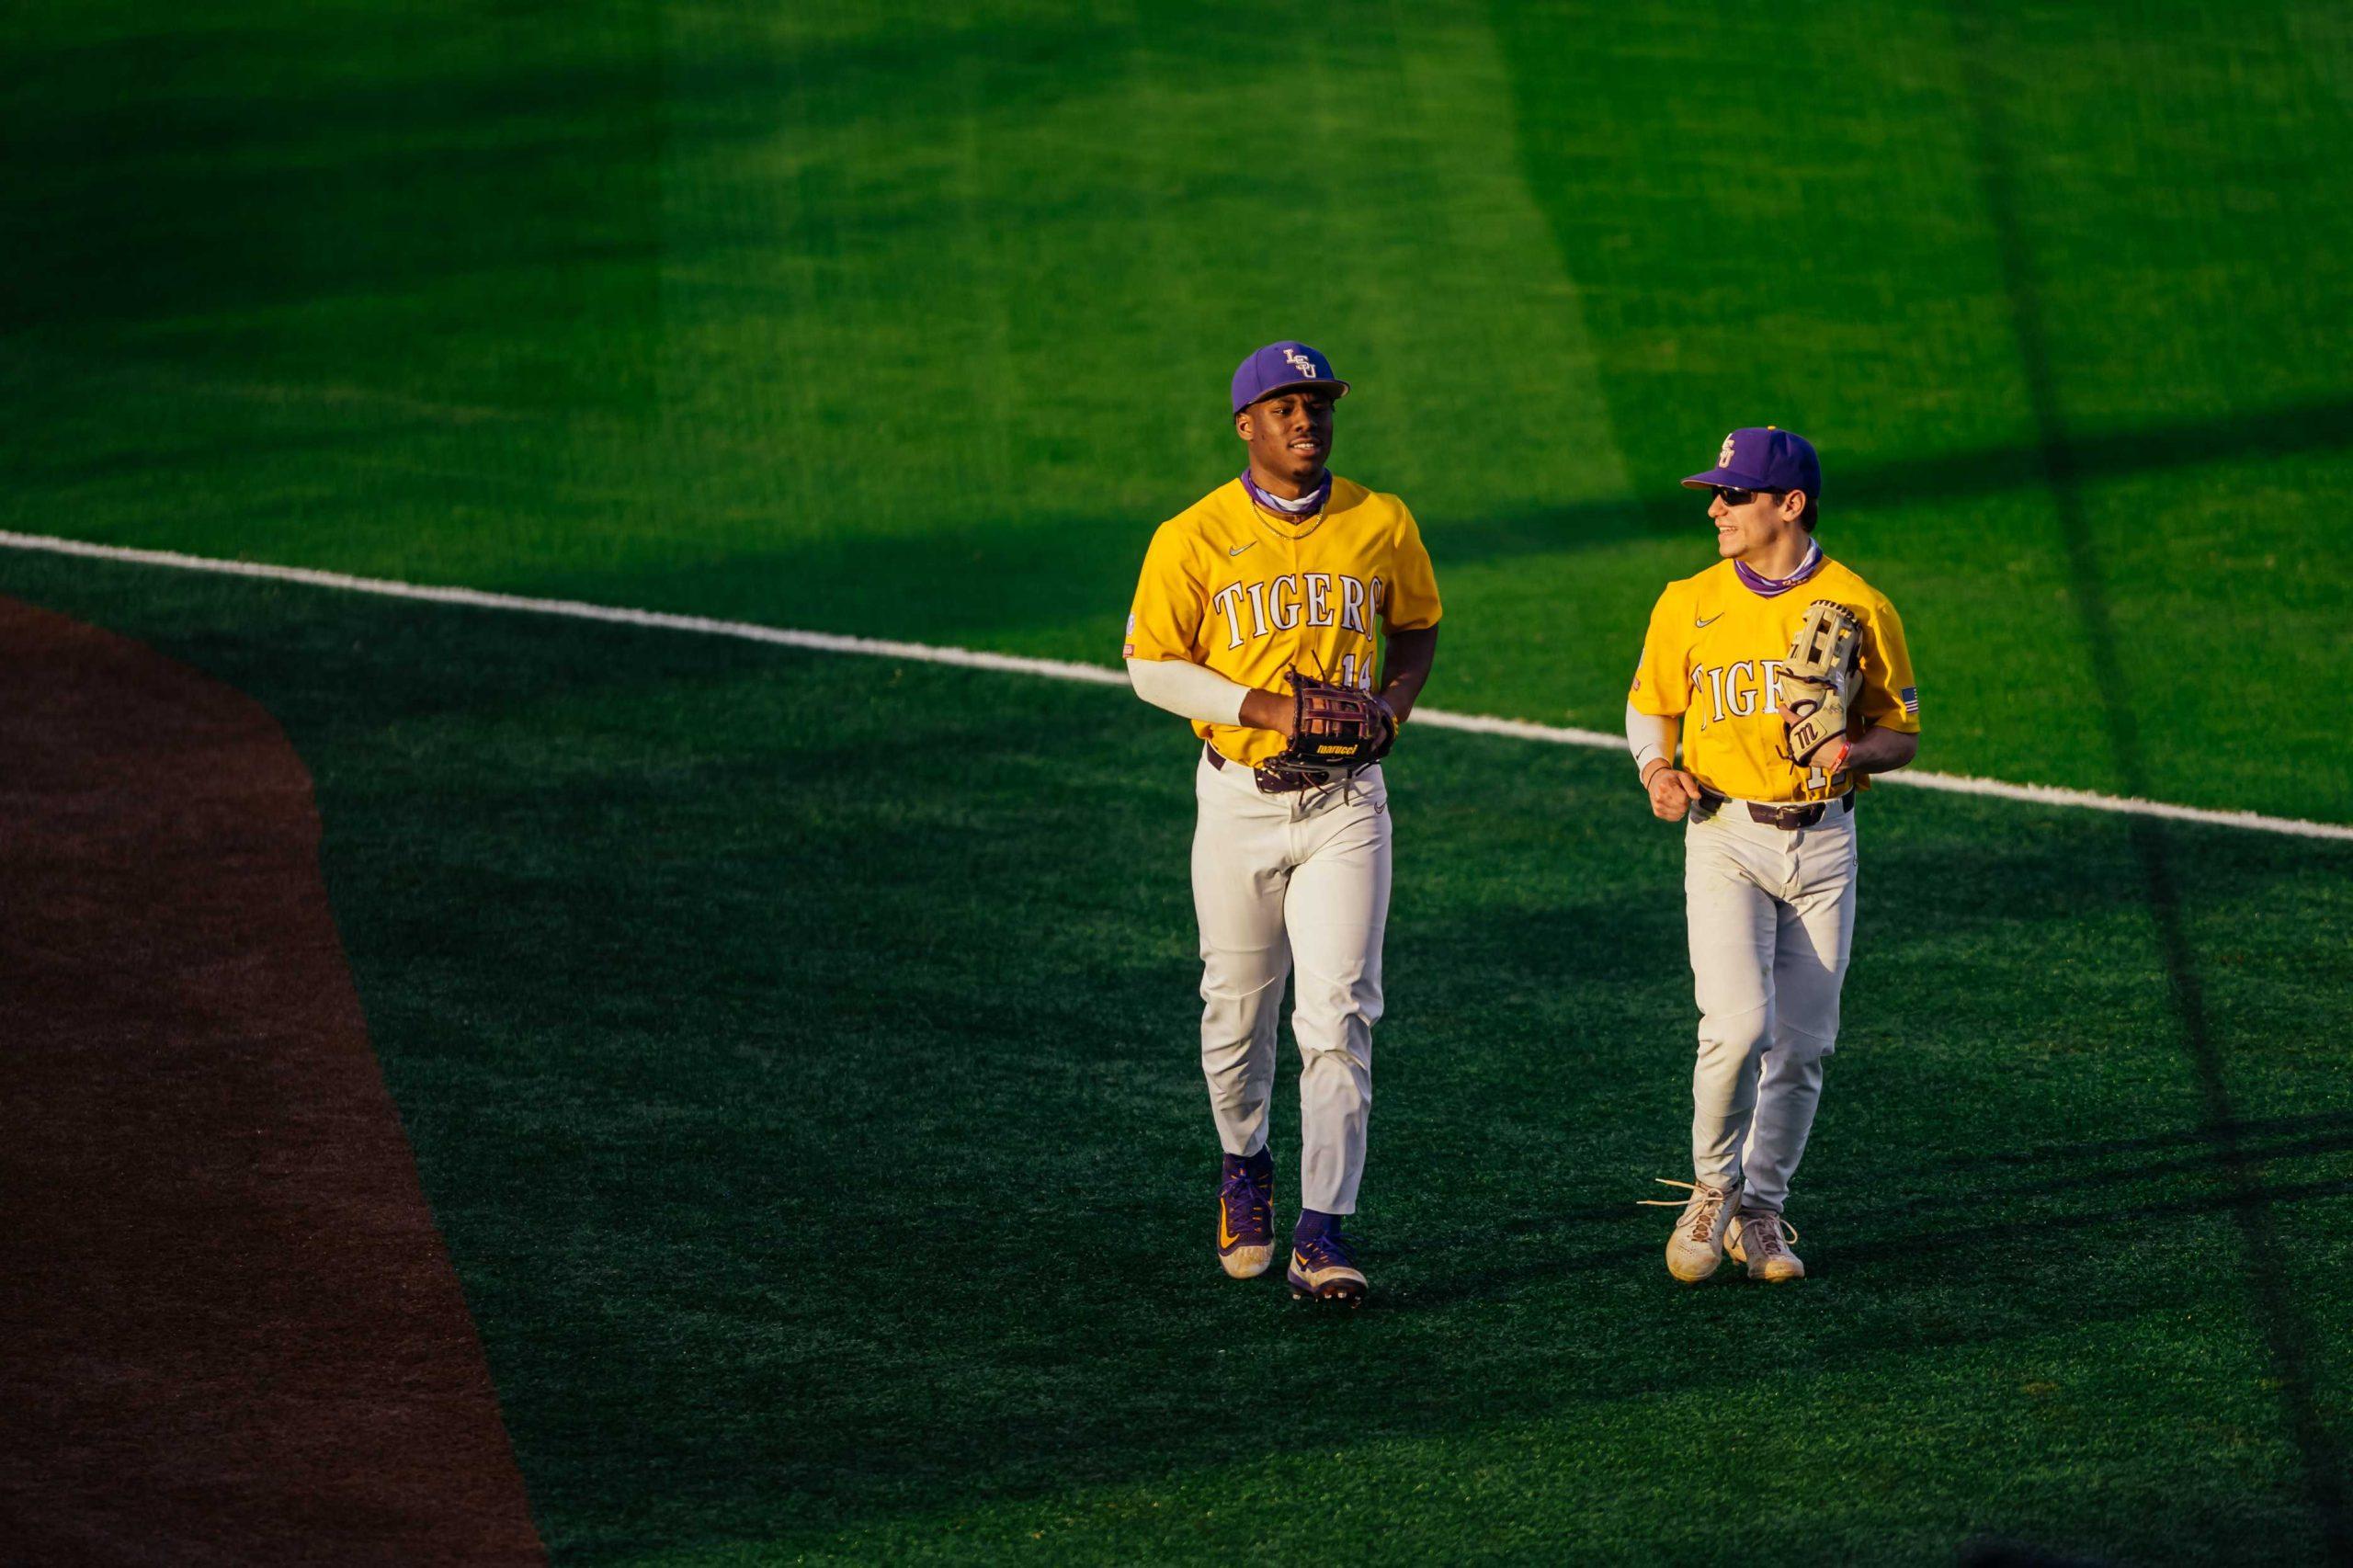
[1784, 679]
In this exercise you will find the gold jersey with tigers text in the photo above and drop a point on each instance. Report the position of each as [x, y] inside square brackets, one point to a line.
[1713, 655]
[1231, 586]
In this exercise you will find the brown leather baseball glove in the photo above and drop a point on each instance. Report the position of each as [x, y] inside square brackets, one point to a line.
[1337, 732]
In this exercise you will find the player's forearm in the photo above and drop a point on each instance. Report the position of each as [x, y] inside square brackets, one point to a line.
[1188, 690]
[1651, 737]
[1880, 750]
[1406, 666]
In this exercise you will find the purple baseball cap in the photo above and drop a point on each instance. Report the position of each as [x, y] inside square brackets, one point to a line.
[1764, 458]
[1279, 367]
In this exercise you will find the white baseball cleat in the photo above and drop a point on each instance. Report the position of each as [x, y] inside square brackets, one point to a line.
[1756, 1240]
[1697, 1244]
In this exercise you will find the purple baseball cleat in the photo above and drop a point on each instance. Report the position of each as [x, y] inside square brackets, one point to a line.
[1323, 1268]
[1246, 1220]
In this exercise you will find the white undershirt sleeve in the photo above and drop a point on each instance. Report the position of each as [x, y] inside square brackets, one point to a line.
[1649, 735]
[1187, 690]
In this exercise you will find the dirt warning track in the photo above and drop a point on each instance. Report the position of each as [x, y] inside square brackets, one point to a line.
[229, 1331]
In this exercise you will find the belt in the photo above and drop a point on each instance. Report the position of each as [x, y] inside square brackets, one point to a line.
[1789, 819]
[1271, 780]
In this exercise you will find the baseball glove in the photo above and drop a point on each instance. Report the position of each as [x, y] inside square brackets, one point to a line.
[1814, 684]
[1337, 732]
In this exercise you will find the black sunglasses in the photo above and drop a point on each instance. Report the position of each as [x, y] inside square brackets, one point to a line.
[1733, 496]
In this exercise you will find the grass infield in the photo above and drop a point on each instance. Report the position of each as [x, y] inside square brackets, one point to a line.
[799, 1053]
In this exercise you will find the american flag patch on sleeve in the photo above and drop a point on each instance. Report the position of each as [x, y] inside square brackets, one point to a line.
[1910, 698]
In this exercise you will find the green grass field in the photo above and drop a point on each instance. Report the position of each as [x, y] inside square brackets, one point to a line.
[797, 1049]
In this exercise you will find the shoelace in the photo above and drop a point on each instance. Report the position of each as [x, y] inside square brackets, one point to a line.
[1781, 1236]
[1703, 1218]
[1327, 1251]
[1240, 1193]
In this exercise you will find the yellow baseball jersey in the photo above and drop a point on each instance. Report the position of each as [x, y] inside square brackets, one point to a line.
[1714, 657]
[1229, 585]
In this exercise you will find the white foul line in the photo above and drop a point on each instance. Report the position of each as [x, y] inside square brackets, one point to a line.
[1063, 669]
[574, 609]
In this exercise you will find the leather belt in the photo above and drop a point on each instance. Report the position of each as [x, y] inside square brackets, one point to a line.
[1789, 819]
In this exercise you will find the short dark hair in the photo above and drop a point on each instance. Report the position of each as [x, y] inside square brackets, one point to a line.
[1812, 514]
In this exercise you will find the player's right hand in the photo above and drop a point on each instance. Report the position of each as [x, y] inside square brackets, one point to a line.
[1272, 711]
[1672, 793]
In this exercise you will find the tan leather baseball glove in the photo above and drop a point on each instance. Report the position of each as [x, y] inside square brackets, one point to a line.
[1815, 682]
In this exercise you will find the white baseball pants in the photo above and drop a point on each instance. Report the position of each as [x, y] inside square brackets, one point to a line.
[1772, 918]
[1283, 882]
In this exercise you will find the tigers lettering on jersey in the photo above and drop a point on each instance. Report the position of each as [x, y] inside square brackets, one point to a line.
[1739, 689]
[1309, 598]
[1251, 595]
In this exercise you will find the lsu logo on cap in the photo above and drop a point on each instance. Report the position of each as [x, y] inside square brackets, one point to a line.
[1723, 454]
[1301, 363]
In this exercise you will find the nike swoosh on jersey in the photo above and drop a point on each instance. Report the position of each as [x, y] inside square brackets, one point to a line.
[1240, 548]
[1703, 625]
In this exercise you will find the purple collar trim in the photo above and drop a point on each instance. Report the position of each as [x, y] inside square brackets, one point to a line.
[1306, 505]
[1768, 587]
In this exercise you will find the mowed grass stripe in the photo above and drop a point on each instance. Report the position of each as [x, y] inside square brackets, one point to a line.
[1007, 265]
[1062, 669]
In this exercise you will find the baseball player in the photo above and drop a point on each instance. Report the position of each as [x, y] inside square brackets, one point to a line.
[1286, 568]
[1786, 678]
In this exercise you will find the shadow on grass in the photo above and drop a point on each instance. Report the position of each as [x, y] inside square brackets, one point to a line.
[1954, 478]
[239, 164]
[2065, 465]
[2315, 1133]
